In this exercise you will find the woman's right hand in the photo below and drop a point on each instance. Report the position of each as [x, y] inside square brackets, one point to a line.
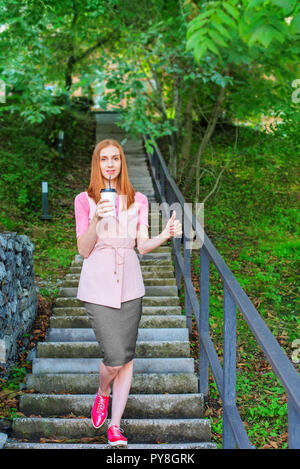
[102, 209]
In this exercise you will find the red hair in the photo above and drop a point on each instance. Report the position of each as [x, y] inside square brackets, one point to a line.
[123, 185]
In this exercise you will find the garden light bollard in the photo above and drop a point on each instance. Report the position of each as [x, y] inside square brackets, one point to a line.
[60, 142]
[45, 215]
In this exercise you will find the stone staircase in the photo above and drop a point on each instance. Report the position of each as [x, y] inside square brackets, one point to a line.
[164, 409]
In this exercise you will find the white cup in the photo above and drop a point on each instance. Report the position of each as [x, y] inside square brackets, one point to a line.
[111, 195]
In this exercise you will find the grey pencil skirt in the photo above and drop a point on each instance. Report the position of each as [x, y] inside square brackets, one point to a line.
[116, 330]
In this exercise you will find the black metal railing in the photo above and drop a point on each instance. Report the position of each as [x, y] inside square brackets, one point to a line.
[234, 433]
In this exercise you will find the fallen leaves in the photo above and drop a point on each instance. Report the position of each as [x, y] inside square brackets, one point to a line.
[54, 439]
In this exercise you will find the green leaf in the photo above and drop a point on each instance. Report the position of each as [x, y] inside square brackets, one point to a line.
[295, 23]
[233, 11]
[196, 26]
[217, 38]
[199, 52]
[280, 25]
[222, 30]
[264, 34]
[254, 3]
[226, 19]
[212, 46]
[197, 22]
[285, 4]
[194, 41]
[206, 14]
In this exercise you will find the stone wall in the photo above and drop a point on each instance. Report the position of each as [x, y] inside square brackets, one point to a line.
[18, 293]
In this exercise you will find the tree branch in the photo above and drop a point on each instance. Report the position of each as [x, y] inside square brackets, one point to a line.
[208, 133]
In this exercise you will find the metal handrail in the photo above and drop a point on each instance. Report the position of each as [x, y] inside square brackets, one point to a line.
[234, 433]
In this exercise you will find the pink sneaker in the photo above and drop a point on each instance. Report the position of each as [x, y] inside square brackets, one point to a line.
[99, 410]
[114, 436]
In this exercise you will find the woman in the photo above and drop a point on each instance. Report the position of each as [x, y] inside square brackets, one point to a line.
[111, 283]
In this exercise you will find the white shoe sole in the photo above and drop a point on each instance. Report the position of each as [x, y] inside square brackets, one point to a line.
[118, 442]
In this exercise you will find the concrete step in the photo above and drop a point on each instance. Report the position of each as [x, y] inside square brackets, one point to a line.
[147, 321]
[12, 444]
[157, 270]
[147, 265]
[144, 335]
[147, 301]
[145, 187]
[159, 257]
[147, 310]
[136, 430]
[164, 276]
[155, 290]
[104, 117]
[87, 383]
[115, 132]
[91, 365]
[150, 349]
[140, 175]
[136, 154]
[141, 406]
[162, 249]
[146, 259]
[148, 282]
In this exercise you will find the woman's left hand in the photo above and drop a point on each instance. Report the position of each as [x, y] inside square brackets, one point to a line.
[173, 227]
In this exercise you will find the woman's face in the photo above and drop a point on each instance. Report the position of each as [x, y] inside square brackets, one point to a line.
[110, 163]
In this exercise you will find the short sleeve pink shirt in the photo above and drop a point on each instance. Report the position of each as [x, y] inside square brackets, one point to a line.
[111, 274]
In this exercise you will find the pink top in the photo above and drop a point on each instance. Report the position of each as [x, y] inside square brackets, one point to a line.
[111, 274]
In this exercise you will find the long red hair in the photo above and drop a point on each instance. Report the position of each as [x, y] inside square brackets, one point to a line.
[124, 186]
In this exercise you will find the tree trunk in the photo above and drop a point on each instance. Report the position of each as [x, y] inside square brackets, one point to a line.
[208, 133]
[187, 133]
[69, 72]
[177, 103]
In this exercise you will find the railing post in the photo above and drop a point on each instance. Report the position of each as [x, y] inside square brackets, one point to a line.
[229, 365]
[162, 183]
[293, 426]
[187, 274]
[155, 156]
[203, 320]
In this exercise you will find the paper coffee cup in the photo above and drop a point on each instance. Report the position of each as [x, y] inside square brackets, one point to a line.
[111, 195]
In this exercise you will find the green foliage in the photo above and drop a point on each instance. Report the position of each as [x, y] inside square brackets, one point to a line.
[219, 25]
[29, 156]
[23, 166]
[152, 59]
[213, 28]
[47, 43]
[17, 375]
